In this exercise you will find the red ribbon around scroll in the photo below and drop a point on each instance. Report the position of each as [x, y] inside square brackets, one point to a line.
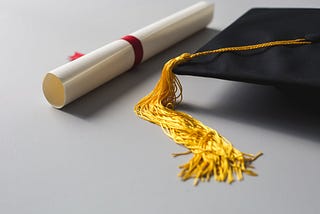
[137, 48]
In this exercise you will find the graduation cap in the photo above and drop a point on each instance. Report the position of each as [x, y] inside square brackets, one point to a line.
[271, 46]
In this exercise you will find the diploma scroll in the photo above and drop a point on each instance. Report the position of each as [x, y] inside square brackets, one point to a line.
[74, 79]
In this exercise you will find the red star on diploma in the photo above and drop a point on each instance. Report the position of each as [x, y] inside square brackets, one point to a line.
[75, 56]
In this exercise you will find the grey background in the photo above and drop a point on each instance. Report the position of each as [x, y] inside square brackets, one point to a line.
[96, 156]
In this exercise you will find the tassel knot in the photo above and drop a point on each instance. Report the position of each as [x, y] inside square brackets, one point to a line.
[184, 57]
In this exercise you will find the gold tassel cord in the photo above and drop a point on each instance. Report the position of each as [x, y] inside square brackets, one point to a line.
[213, 155]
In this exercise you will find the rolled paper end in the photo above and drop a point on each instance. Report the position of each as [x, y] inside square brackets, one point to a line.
[53, 90]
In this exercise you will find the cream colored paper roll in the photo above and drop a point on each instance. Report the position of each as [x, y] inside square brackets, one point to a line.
[74, 79]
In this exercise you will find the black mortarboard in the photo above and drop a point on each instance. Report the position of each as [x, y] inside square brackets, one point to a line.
[274, 46]
[282, 65]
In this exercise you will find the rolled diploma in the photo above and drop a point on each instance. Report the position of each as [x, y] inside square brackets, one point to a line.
[74, 79]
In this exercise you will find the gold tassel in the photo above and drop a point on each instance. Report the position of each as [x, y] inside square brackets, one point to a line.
[213, 155]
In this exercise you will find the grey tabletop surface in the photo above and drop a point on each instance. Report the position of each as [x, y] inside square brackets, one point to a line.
[96, 156]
